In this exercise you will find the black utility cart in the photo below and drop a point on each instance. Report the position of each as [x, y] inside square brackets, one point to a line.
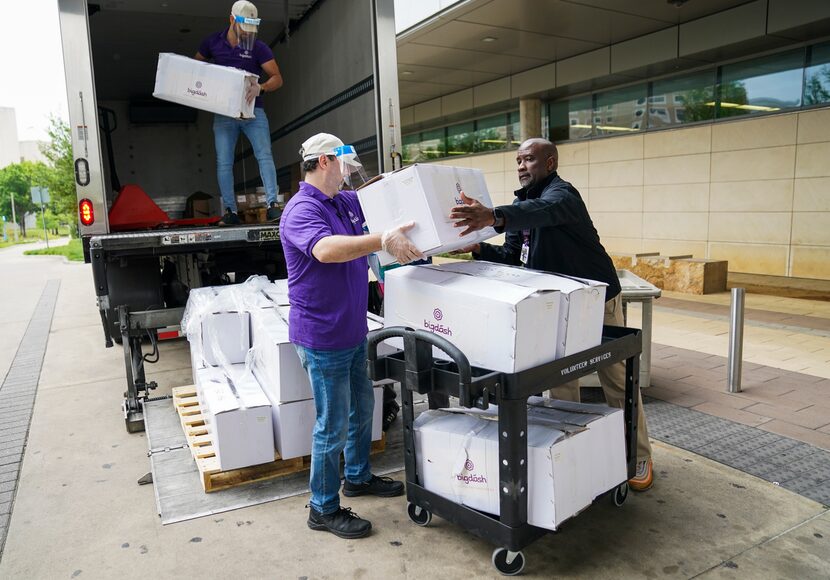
[417, 370]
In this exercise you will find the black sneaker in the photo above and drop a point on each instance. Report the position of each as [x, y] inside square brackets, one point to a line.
[229, 219]
[343, 523]
[379, 486]
[274, 212]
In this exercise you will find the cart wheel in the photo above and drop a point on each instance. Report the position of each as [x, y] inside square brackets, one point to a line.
[620, 494]
[419, 515]
[507, 562]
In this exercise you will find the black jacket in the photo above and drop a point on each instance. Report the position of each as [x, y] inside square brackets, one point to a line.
[562, 236]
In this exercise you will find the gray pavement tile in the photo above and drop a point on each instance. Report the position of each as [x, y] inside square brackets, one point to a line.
[9, 476]
[11, 451]
[6, 496]
[12, 398]
[7, 486]
[5, 507]
[9, 468]
[14, 424]
[11, 459]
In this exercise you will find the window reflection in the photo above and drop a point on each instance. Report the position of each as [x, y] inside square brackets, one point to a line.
[684, 99]
[762, 85]
[620, 111]
[769, 84]
[817, 76]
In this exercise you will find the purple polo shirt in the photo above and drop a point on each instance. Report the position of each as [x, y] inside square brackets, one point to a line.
[328, 301]
[217, 48]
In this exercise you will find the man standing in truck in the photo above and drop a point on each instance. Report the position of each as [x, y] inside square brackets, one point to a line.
[237, 46]
[325, 253]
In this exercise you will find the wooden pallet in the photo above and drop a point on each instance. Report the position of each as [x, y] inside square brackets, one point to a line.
[201, 447]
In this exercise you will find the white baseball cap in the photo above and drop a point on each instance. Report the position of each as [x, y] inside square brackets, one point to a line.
[319, 144]
[246, 9]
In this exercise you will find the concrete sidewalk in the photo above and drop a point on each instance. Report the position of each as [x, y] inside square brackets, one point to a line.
[79, 513]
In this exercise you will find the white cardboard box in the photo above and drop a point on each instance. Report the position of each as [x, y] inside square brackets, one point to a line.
[274, 360]
[238, 418]
[424, 194]
[294, 424]
[569, 463]
[225, 337]
[499, 324]
[205, 86]
[581, 306]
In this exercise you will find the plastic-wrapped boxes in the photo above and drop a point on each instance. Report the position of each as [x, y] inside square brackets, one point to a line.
[575, 453]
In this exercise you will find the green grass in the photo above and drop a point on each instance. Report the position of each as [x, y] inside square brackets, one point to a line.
[73, 251]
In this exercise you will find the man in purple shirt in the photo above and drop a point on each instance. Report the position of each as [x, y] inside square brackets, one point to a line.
[238, 47]
[325, 251]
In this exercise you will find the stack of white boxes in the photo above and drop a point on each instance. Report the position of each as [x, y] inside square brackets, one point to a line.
[244, 367]
[277, 367]
[503, 318]
[237, 415]
[575, 452]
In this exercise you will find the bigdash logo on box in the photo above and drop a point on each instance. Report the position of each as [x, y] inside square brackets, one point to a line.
[470, 477]
[436, 327]
[197, 92]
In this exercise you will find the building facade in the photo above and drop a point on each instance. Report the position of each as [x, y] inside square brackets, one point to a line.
[696, 127]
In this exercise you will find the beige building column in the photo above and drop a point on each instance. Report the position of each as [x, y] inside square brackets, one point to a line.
[530, 118]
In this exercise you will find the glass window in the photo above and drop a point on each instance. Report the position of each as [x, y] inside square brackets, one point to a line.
[570, 119]
[514, 130]
[817, 76]
[433, 145]
[687, 99]
[461, 139]
[624, 107]
[411, 148]
[491, 133]
[762, 85]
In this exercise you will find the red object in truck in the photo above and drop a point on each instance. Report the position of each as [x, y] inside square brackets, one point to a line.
[134, 210]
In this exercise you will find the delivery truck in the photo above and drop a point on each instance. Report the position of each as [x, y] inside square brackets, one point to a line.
[145, 169]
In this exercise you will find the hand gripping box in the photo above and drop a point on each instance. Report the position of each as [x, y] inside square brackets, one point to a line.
[581, 301]
[424, 194]
[205, 86]
[574, 455]
[499, 322]
[237, 416]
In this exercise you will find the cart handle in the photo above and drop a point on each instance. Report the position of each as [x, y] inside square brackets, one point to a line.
[416, 365]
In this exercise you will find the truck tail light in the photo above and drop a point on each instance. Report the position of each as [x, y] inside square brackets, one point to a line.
[86, 212]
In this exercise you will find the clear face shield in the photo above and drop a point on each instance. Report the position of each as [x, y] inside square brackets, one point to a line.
[353, 173]
[246, 31]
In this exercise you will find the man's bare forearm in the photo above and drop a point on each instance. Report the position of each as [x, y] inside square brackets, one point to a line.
[338, 249]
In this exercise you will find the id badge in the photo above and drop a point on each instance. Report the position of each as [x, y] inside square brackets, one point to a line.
[525, 247]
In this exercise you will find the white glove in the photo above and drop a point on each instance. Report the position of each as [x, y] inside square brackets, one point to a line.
[396, 243]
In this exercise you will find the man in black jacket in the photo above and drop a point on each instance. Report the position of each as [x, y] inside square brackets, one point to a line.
[547, 227]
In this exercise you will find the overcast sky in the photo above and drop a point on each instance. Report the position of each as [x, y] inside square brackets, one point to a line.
[31, 69]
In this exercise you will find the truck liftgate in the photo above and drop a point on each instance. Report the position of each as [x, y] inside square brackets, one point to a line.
[136, 297]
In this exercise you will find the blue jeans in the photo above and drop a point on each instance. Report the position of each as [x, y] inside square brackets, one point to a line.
[345, 402]
[226, 133]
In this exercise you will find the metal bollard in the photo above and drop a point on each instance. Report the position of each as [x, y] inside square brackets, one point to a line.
[736, 341]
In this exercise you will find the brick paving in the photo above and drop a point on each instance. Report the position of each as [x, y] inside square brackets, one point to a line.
[17, 399]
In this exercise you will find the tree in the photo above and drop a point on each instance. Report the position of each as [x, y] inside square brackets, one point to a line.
[816, 90]
[699, 104]
[17, 179]
[61, 179]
